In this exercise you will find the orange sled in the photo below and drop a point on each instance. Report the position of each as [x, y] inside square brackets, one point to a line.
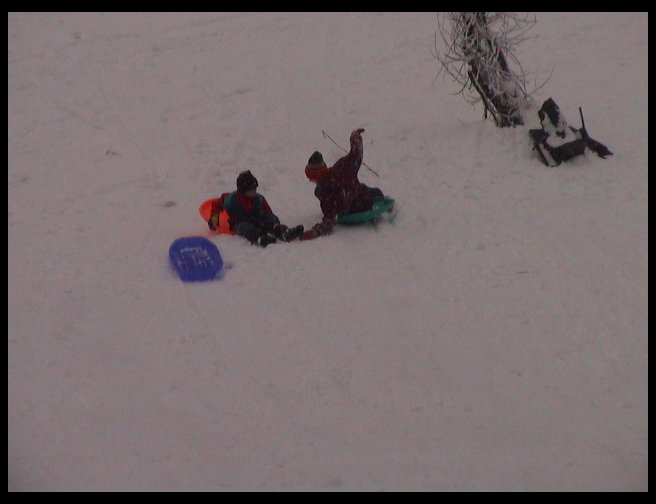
[205, 211]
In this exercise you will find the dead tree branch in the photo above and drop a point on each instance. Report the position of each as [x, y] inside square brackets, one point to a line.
[479, 46]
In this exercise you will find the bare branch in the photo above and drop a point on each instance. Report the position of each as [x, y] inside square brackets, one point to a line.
[479, 47]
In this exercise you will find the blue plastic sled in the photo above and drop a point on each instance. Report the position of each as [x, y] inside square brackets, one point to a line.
[195, 259]
[381, 204]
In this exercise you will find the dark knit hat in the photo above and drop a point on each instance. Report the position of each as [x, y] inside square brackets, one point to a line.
[316, 168]
[246, 181]
[315, 158]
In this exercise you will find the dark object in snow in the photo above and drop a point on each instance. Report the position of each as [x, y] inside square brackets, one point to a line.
[557, 142]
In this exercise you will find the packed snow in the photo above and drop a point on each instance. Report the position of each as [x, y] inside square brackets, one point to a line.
[493, 337]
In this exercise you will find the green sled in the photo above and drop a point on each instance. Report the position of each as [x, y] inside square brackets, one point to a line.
[381, 204]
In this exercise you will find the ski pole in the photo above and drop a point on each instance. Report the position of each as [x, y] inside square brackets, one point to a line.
[584, 131]
[333, 141]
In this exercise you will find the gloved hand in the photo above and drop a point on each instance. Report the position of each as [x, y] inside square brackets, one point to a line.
[310, 234]
[279, 231]
[213, 221]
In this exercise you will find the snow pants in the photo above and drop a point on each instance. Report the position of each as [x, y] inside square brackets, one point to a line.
[252, 230]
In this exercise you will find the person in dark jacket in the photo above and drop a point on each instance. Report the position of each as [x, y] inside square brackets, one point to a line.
[249, 214]
[338, 189]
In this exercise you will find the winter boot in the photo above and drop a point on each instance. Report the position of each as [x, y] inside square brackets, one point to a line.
[279, 230]
[266, 239]
[293, 233]
[287, 234]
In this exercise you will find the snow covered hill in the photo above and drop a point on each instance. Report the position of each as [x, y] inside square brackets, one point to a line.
[494, 337]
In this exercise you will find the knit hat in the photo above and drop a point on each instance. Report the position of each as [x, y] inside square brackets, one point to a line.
[316, 167]
[246, 181]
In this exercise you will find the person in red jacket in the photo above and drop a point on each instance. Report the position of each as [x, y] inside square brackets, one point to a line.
[338, 189]
[249, 214]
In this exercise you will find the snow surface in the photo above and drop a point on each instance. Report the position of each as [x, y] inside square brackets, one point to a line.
[494, 337]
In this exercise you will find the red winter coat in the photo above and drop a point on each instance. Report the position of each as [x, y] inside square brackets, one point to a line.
[339, 191]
